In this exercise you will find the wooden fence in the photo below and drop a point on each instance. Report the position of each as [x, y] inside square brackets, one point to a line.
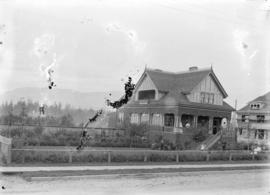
[128, 155]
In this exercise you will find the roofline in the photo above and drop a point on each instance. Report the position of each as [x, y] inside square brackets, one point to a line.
[141, 79]
[210, 69]
[180, 72]
[259, 97]
[254, 100]
[219, 84]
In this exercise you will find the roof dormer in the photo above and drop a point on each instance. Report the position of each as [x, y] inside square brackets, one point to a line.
[256, 105]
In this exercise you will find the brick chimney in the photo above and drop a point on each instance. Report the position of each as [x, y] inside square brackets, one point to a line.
[193, 68]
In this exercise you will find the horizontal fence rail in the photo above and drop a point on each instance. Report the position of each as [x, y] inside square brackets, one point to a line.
[69, 155]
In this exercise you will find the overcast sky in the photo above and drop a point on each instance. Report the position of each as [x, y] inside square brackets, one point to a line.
[97, 44]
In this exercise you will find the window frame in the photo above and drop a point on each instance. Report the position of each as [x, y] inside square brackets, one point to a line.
[260, 118]
[169, 120]
[147, 98]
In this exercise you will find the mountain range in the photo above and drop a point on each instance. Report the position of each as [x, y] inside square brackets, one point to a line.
[74, 98]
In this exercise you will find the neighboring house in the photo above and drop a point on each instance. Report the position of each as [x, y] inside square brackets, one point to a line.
[254, 121]
[178, 102]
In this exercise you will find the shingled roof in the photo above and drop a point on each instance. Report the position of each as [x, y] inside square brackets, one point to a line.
[183, 81]
[265, 99]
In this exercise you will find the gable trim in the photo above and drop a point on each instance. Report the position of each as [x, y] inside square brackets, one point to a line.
[216, 81]
[144, 75]
[218, 84]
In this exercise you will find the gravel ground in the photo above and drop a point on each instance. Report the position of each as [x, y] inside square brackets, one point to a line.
[212, 182]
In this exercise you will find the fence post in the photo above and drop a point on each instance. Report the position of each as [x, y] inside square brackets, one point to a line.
[208, 156]
[23, 156]
[109, 156]
[70, 157]
[253, 156]
[230, 157]
[145, 157]
[177, 157]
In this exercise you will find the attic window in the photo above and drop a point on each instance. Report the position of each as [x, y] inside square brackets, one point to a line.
[147, 95]
[255, 106]
[207, 98]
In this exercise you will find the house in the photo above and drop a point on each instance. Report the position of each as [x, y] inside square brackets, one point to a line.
[181, 102]
[254, 121]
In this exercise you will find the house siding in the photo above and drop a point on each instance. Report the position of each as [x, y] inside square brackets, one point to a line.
[206, 85]
[146, 84]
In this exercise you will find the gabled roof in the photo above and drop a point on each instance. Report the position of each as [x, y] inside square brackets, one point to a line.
[184, 82]
[265, 99]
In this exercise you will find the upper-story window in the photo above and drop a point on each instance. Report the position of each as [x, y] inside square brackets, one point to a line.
[260, 118]
[255, 106]
[244, 118]
[207, 98]
[147, 95]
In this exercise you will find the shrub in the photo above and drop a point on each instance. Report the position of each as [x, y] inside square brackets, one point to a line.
[192, 156]
[161, 157]
[261, 156]
[199, 137]
[86, 157]
[131, 157]
[219, 156]
[242, 156]
[56, 157]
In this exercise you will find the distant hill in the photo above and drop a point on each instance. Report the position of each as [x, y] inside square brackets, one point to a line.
[76, 99]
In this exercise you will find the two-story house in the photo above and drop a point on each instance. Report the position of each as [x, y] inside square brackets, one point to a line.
[173, 101]
[254, 121]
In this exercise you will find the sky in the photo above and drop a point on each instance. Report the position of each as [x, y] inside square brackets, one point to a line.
[97, 44]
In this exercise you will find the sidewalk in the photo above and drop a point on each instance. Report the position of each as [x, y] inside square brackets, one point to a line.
[131, 167]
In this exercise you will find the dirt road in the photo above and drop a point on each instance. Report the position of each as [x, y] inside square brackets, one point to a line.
[212, 182]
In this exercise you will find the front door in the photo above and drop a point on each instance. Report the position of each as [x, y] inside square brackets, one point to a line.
[216, 124]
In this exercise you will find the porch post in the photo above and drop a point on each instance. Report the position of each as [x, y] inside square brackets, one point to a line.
[176, 119]
[210, 125]
[195, 121]
[180, 121]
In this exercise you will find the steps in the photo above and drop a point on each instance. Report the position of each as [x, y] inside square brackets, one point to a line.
[210, 141]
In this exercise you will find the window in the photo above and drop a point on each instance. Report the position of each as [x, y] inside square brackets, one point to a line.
[240, 131]
[202, 98]
[211, 99]
[134, 119]
[207, 98]
[187, 119]
[260, 134]
[244, 118]
[147, 95]
[157, 119]
[121, 116]
[260, 118]
[255, 106]
[169, 120]
[145, 118]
